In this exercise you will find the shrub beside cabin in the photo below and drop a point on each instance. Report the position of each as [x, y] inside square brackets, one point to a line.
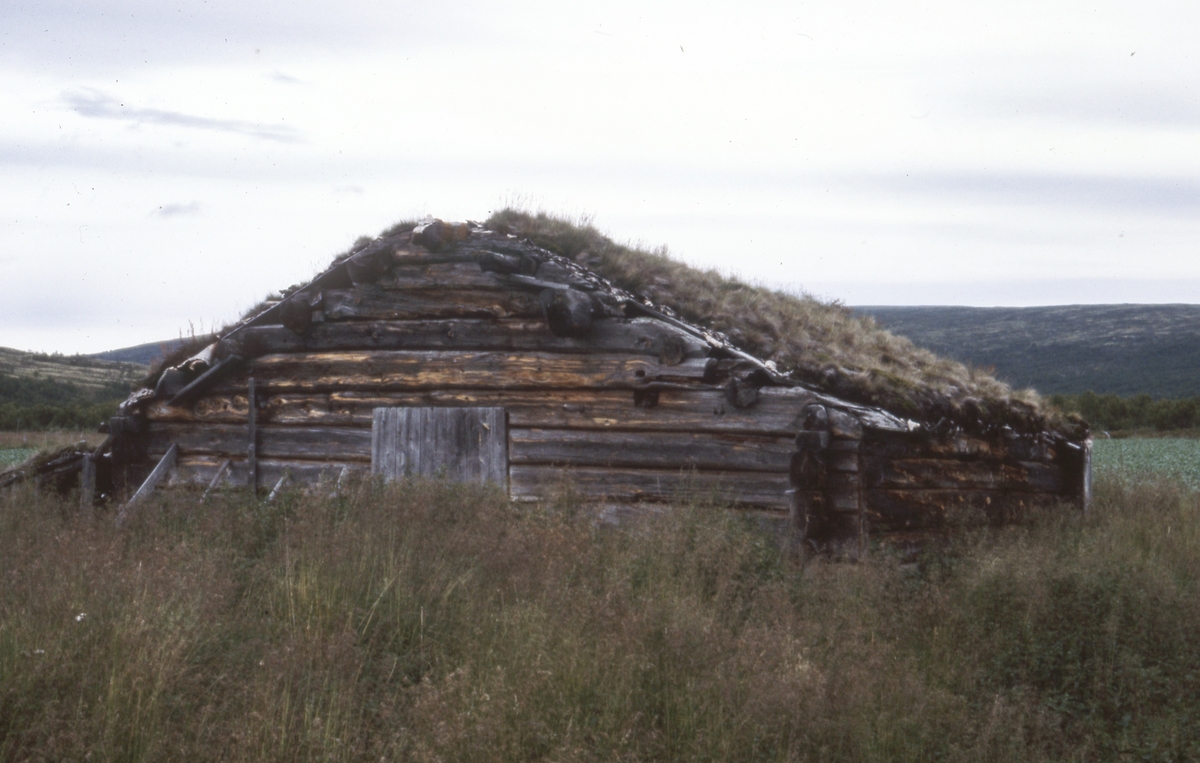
[455, 350]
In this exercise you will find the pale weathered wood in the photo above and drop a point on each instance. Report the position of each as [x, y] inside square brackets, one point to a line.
[251, 436]
[200, 470]
[461, 444]
[278, 487]
[677, 410]
[359, 304]
[657, 450]
[280, 442]
[444, 275]
[929, 473]
[157, 475]
[87, 483]
[642, 336]
[406, 370]
[205, 380]
[759, 489]
[216, 479]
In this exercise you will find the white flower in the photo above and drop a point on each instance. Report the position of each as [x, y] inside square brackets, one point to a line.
[79, 618]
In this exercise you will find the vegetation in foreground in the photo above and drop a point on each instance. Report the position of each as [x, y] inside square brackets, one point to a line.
[421, 621]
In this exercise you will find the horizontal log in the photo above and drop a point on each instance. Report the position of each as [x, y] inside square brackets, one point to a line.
[650, 450]
[899, 510]
[841, 461]
[443, 275]
[231, 440]
[364, 304]
[677, 410]
[641, 336]
[841, 482]
[408, 256]
[765, 490]
[948, 473]
[415, 370]
[844, 501]
[961, 446]
[199, 471]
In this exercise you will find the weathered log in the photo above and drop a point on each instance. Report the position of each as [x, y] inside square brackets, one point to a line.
[650, 450]
[767, 490]
[844, 425]
[361, 304]
[677, 410]
[200, 470]
[438, 236]
[442, 275]
[891, 510]
[408, 255]
[205, 380]
[642, 336]
[370, 263]
[741, 393]
[229, 441]
[405, 370]
[928, 473]
[506, 263]
[960, 446]
[675, 348]
[567, 312]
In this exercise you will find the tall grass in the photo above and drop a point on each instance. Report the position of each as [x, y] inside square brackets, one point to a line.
[429, 622]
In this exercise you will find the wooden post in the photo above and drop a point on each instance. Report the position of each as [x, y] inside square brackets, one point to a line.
[252, 433]
[216, 479]
[1086, 487]
[158, 475]
[87, 483]
[278, 486]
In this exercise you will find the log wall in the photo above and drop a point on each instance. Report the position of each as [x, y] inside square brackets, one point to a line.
[613, 408]
[635, 409]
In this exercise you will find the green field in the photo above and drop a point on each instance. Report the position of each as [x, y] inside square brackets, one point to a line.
[1135, 458]
[14, 456]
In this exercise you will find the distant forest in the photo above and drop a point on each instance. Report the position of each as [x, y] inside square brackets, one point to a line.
[46, 403]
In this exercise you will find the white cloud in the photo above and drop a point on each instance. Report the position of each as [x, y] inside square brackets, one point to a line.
[94, 104]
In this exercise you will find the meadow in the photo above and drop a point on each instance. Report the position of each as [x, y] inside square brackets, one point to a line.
[429, 622]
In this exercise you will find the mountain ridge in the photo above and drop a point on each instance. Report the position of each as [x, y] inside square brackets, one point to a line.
[1124, 349]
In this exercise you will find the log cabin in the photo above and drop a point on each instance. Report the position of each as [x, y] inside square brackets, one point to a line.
[471, 352]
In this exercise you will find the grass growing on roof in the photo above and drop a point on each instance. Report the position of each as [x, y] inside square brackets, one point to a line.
[824, 344]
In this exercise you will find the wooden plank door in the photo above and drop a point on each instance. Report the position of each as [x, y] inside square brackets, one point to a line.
[460, 444]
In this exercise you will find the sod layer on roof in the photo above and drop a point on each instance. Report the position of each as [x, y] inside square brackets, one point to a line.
[825, 345]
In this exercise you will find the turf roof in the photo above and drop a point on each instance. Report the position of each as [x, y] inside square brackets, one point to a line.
[825, 345]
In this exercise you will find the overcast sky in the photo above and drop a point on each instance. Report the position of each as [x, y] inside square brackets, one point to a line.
[164, 164]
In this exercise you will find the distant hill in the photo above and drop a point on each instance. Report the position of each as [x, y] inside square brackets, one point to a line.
[84, 374]
[39, 391]
[144, 354]
[1116, 349]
